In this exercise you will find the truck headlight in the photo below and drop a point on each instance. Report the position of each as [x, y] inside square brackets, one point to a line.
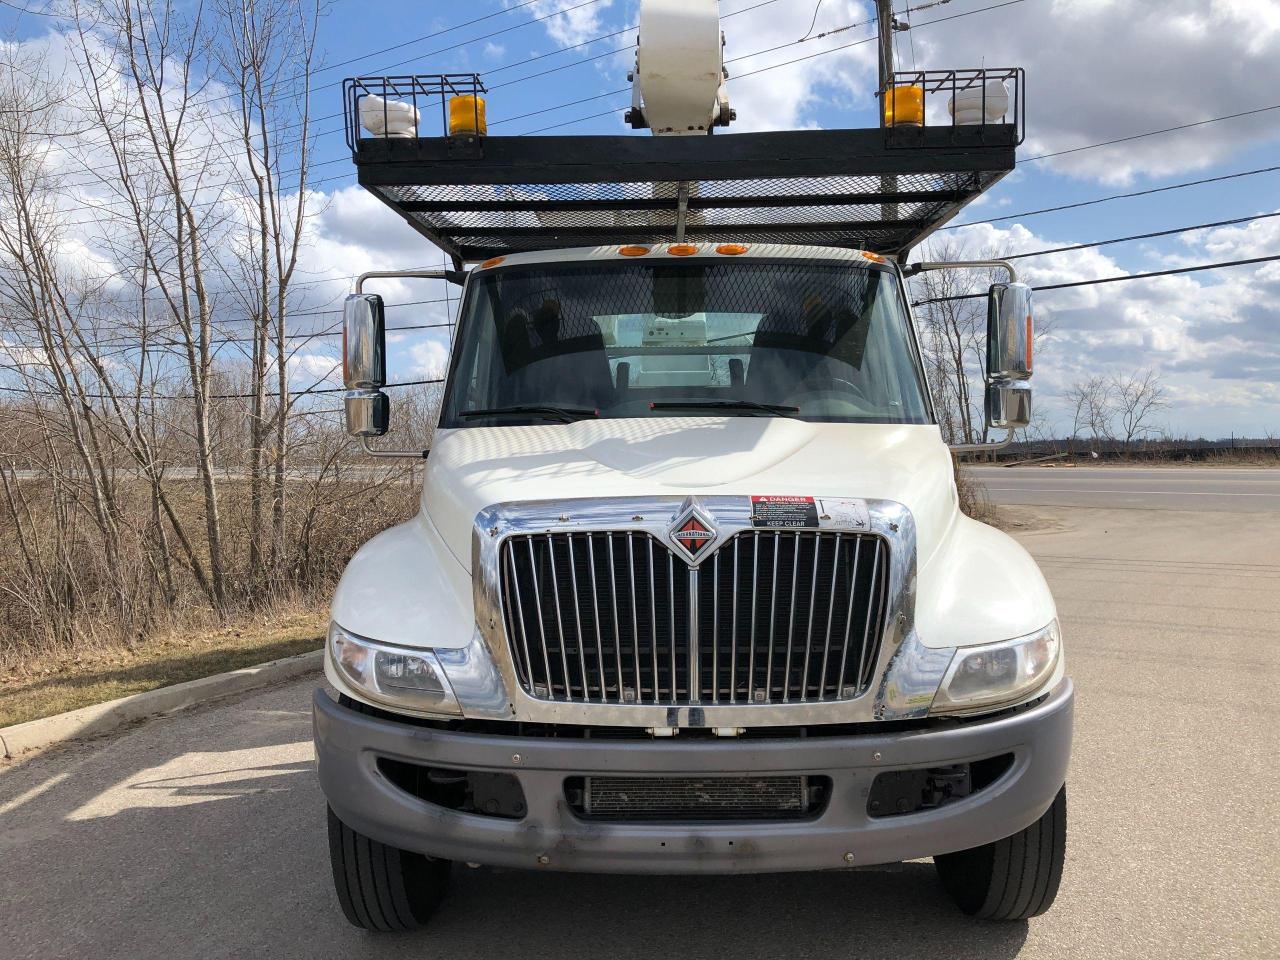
[996, 673]
[412, 679]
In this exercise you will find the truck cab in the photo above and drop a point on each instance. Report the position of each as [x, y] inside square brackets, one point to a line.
[689, 589]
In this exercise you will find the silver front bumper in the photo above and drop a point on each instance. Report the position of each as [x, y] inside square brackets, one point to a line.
[550, 836]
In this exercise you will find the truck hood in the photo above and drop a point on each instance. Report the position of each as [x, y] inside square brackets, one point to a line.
[473, 468]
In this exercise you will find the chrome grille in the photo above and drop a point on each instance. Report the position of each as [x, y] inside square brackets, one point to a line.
[770, 617]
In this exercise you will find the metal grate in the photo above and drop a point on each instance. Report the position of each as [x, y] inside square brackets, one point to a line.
[704, 798]
[482, 196]
[770, 617]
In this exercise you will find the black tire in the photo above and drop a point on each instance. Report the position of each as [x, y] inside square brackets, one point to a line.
[1012, 879]
[381, 887]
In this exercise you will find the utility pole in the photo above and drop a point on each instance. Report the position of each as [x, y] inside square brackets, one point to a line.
[884, 17]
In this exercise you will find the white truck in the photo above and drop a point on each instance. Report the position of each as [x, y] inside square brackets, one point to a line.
[689, 590]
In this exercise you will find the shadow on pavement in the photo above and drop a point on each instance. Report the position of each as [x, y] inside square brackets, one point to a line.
[204, 836]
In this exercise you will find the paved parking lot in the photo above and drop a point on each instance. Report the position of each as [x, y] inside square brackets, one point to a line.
[202, 835]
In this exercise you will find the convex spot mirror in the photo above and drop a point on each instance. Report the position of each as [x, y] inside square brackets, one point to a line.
[1008, 405]
[1009, 332]
[364, 365]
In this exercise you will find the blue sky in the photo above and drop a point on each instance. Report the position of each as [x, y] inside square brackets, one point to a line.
[1097, 69]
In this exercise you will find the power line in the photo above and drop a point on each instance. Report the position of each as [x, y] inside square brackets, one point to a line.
[1114, 196]
[523, 23]
[1143, 236]
[1132, 276]
[35, 13]
[340, 129]
[785, 63]
[215, 396]
[1152, 133]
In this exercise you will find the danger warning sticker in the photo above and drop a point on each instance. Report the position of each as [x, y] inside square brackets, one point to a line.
[783, 512]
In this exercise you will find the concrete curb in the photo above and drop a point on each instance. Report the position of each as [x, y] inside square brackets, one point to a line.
[106, 717]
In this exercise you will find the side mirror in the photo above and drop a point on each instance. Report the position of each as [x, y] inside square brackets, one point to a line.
[1009, 332]
[364, 365]
[1008, 405]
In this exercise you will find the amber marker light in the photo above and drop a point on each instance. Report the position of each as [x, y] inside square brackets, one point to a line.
[633, 251]
[874, 257]
[731, 249]
[492, 262]
[682, 250]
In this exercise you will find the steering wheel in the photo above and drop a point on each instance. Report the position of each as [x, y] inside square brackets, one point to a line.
[827, 389]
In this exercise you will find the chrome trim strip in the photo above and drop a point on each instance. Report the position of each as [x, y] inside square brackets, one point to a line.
[890, 521]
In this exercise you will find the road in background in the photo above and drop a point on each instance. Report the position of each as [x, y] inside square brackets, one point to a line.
[1150, 488]
[202, 835]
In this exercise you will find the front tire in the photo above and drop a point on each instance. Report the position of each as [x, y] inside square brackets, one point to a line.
[381, 887]
[1012, 879]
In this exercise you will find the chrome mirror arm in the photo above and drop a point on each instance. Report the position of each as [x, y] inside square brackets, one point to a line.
[981, 447]
[912, 269]
[451, 276]
[389, 454]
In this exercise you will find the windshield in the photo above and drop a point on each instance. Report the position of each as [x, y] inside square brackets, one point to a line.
[818, 341]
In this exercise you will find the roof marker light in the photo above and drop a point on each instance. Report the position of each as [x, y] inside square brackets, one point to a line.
[491, 262]
[682, 249]
[731, 249]
[874, 257]
[633, 251]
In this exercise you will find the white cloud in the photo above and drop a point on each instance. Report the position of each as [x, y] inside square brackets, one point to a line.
[791, 96]
[427, 359]
[573, 25]
[1105, 69]
[309, 369]
[1212, 336]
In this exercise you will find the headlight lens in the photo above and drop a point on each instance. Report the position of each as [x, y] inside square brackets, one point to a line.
[401, 678]
[996, 673]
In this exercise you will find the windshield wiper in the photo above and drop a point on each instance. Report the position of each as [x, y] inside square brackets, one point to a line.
[771, 409]
[545, 411]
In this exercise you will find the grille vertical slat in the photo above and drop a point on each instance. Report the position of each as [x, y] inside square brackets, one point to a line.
[580, 639]
[619, 669]
[556, 605]
[848, 616]
[831, 609]
[733, 647]
[595, 616]
[715, 634]
[635, 628]
[871, 608]
[814, 585]
[671, 607]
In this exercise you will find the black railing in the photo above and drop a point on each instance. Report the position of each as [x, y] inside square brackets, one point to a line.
[419, 90]
[918, 99]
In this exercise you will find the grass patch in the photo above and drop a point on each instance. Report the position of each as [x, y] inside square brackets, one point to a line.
[57, 685]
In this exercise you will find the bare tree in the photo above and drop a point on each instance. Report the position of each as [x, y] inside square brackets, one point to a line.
[267, 59]
[1137, 398]
[952, 327]
[1091, 409]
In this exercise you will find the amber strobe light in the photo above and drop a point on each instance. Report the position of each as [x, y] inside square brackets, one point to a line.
[904, 106]
[682, 250]
[466, 116]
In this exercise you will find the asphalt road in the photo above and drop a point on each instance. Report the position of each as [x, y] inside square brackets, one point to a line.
[202, 835]
[1156, 488]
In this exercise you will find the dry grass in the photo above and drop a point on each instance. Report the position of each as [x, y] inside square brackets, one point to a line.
[57, 683]
[974, 501]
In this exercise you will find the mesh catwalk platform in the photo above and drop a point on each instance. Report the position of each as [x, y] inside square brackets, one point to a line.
[881, 189]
